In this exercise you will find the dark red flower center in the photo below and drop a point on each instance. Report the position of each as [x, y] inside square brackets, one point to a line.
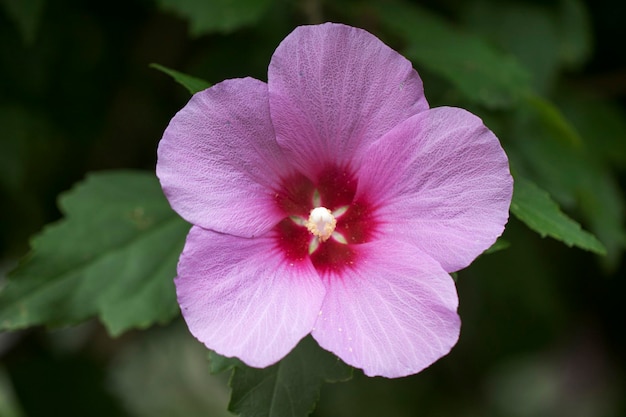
[334, 189]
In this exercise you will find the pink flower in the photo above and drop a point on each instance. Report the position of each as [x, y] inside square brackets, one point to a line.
[330, 201]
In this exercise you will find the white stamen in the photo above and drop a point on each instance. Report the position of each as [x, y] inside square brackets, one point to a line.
[321, 223]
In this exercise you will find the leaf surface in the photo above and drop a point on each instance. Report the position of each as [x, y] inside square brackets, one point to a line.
[533, 206]
[192, 84]
[290, 388]
[114, 256]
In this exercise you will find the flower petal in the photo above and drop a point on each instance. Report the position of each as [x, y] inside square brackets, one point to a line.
[441, 182]
[219, 163]
[393, 314]
[241, 298]
[334, 89]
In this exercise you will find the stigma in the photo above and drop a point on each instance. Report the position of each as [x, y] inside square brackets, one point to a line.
[321, 223]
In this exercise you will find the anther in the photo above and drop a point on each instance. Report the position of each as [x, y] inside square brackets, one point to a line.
[321, 223]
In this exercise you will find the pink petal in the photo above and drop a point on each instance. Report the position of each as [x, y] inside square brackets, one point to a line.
[441, 182]
[219, 162]
[393, 314]
[334, 89]
[241, 298]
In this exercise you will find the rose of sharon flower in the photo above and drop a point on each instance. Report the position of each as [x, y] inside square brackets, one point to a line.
[332, 201]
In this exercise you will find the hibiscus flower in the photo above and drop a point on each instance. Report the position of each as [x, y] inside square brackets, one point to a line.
[330, 201]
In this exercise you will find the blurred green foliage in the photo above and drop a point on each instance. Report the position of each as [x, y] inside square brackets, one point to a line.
[542, 323]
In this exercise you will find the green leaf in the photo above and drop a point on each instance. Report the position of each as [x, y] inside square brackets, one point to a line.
[499, 245]
[26, 14]
[216, 15]
[573, 167]
[603, 125]
[290, 388]
[114, 255]
[533, 206]
[219, 363]
[479, 71]
[192, 84]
